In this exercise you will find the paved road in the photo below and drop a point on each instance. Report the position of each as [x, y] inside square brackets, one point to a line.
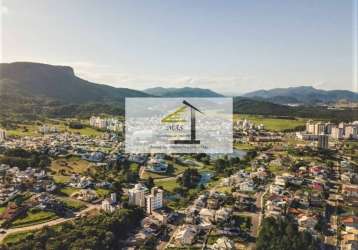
[261, 201]
[256, 218]
[49, 223]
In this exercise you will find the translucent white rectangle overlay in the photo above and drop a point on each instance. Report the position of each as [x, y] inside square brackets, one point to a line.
[179, 125]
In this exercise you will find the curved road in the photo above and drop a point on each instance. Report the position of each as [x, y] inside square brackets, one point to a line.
[49, 223]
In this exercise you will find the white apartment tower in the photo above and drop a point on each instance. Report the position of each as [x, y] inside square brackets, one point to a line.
[154, 200]
[137, 195]
[337, 133]
[319, 128]
[2, 135]
[310, 127]
[323, 141]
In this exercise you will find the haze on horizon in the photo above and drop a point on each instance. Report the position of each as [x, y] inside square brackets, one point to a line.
[228, 46]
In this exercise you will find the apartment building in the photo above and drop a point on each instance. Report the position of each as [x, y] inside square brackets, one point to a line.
[2, 135]
[154, 200]
[136, 195]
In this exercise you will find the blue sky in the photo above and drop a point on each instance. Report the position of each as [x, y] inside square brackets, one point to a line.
[228, 46]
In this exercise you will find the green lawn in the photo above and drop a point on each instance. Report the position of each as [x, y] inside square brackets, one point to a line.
[74, 204]
[101, 192]
[61, 179]
[68, 191]
[32, 129]
[178, 169]
[133, 167]
[16, 237]
[275, 169]
[2, 209]
[87, 131]
[273, 123]
[168, 185]
[33, 217]
[224, 189]
[248, 169]
[62, 168]
[243, 146]
[24, 130]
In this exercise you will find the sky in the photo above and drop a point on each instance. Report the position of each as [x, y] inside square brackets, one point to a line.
[228, 46]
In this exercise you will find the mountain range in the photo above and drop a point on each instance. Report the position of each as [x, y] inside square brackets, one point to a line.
[303, 95]
[57, 83]
[181, 92]
[35, 89]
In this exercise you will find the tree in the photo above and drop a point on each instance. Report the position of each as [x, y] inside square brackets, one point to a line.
[190, 178]
[170, 169]
[283, 234]
[150, 183]
[220, 165]
[104, 231]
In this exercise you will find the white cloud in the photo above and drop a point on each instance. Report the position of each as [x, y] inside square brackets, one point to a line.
[105, 74]
[3, 9]
[226, 84]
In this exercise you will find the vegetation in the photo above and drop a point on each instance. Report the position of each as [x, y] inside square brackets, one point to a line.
[105, 231]
[22, 159]
[32, 96]
[259, 107]
[168, 184]
[190, 178]
[73, 204]
[283, 234]
[274, 123]
[32, 217]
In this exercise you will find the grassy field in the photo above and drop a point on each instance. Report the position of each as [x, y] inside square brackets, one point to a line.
[101, 192]
[68, 191]
[273, 124]
[275, 169]
[60, 179]
[2, 209]
[87, 131]
[74, 204]
[16, 237]
[32, 129]
[223, 189]
[24, 130]
[33, 217]
[243, 146]
[168, 184]
[178, 169]
[68, 166]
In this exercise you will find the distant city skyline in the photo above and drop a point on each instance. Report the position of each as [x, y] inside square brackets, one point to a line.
[231, 47]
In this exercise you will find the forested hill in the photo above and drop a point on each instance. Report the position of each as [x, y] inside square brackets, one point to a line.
[31, 90]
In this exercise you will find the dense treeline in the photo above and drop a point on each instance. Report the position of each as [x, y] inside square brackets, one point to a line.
[105, 231]
[35, 108]
[283, 234]
[190, 178]
[260, 107]
[22, 159]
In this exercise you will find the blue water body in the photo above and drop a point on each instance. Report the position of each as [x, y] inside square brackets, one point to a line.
[205, 178]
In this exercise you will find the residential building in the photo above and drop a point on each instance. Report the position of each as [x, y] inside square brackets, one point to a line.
[350, 191]
[137, 195]
[154, 200]
[337, 133]
[323, 141]
[351, 131]
[186, 234]
[310, 127]
[319, 128]
[2, 135]
[111, 124]
[110, 204]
